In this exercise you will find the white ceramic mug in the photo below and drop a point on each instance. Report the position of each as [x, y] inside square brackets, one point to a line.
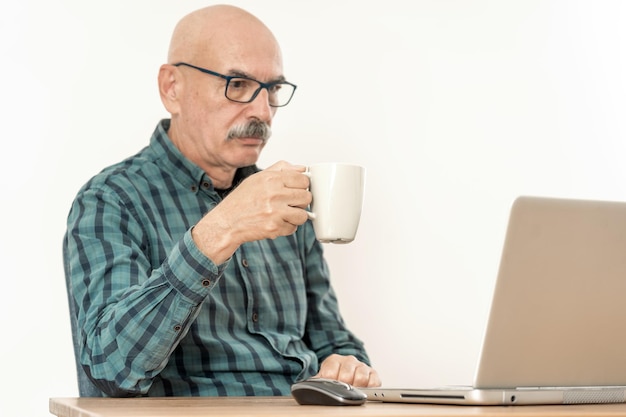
[337, 190]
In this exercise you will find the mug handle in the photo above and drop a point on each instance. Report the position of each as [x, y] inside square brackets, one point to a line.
[309, 214]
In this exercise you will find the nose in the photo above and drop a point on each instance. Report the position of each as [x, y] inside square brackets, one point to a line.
[261, 106]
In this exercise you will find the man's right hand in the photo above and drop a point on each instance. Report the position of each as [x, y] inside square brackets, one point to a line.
[265, 205]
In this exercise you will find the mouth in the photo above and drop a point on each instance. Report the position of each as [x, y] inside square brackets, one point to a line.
[250, 140]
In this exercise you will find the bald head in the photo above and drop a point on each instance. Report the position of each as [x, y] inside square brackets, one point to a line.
[206, 34]
[217, 42]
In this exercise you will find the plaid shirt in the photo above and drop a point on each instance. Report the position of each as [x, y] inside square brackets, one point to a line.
[158, 318]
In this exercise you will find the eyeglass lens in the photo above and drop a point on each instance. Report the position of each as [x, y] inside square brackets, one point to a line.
[245, 90]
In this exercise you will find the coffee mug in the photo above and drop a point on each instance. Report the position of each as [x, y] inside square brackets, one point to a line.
[335, 210]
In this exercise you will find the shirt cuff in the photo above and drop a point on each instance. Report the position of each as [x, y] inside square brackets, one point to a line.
[190, 272]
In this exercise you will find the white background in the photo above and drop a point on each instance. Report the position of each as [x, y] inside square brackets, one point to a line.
[454, 107]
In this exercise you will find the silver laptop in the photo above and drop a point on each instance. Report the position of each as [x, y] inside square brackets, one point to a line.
[555, 333]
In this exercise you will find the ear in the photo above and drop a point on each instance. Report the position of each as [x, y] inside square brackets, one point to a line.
[169, 87]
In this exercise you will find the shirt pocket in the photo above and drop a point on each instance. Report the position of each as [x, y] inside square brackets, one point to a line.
[277, 301]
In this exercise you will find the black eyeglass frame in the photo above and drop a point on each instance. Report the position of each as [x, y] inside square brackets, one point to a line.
[228, 78]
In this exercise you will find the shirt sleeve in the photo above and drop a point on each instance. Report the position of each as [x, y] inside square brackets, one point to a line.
[326, 331]
[130, 315]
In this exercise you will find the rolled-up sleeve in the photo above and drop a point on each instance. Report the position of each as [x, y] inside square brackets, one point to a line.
[130, 315]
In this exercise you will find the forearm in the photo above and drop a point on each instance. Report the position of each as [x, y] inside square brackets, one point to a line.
[333, 337]
[326, 331]
[131, 321]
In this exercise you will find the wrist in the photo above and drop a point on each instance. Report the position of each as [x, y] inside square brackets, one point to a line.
[214, 239]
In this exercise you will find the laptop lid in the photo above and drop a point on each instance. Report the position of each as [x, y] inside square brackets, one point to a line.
[557, 309]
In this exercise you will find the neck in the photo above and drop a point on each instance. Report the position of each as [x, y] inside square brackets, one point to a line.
[222, 178]
[221, 175]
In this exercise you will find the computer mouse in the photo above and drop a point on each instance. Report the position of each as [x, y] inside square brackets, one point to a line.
[322, 391]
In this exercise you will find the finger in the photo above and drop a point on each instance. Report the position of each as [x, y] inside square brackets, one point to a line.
[330, 368]
[297, 168]
[348, 369]
[302, 199]
[278, 166]
[296, 217]
[364, 376]
[295, 179]
[285, 166]
[374, 380]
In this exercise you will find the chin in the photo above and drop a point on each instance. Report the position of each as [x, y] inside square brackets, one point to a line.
[247, 160]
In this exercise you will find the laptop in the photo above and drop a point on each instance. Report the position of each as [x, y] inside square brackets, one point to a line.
[555, 333]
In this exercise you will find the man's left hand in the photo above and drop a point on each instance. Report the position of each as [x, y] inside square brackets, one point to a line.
[350, 370]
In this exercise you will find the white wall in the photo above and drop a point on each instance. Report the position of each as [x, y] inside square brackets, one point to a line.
[455, 107]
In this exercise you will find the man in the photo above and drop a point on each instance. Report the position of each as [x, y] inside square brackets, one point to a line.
[189, 270]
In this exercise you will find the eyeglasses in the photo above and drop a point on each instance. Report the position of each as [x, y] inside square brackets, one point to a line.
[244, 89]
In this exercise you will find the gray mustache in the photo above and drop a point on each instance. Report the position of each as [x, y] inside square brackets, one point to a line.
[252, 129]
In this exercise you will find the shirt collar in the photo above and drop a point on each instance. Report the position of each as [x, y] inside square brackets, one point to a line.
[186, 172]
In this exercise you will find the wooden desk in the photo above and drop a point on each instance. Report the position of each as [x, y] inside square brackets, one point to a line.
[286, 406]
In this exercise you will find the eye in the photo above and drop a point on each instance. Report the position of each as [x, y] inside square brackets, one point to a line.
[240, 84]
[275, 88]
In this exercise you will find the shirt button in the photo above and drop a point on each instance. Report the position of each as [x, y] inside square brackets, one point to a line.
[206, 282]
[244, 262]
[255, 317]
[205, 184]
[194, 188]
[177, 328]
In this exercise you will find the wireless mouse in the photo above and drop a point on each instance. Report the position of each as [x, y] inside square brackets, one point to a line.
[322, 391]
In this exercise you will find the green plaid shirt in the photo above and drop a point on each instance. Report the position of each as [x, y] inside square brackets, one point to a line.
[156, 317]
